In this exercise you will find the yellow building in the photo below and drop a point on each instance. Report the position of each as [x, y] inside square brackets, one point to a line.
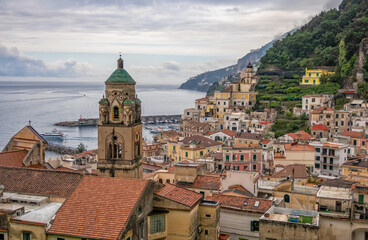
[356, 170]
[187, 215]
[222, 102]
[192, 148]
[239, 95]
[312, 76]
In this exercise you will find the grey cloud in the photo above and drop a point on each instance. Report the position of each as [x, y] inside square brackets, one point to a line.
[13, 63]
[173, 66]
[330, 4]
[206, 27]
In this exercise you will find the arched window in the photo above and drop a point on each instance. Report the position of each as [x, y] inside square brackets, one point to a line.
[110, 151]
[115, 147]
[116, 112]
[115, 151]
[160, 180]
[286, 198]
[119, 151]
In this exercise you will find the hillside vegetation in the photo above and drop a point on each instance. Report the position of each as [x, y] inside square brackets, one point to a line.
[330, 39]
[203, 81]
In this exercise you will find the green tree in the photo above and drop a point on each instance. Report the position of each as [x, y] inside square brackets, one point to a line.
[81, 148]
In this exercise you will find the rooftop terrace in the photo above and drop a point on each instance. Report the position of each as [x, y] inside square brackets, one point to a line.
[292, 216]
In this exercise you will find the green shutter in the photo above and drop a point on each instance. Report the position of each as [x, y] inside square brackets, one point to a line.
[254, 226]
[361, 199]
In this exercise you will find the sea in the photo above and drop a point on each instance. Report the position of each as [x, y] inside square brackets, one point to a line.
[44, 103]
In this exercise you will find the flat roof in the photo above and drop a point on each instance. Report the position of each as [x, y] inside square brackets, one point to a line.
[292, 216]
[41, 215]
[334, 193]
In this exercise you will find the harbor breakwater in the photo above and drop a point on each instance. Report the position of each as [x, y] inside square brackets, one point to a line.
[156, 119]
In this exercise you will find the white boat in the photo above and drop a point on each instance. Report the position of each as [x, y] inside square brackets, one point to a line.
[53, 134]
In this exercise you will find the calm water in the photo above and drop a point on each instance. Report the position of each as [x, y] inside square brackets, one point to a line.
[45, 103]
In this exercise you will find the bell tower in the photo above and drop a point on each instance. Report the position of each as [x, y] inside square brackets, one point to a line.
[120, 127]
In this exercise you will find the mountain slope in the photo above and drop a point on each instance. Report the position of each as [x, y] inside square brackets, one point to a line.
[332, 38]
[203, 81]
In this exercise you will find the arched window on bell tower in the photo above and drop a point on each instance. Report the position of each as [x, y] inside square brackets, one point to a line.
[115, 144]
[116, 112]
[109, 154]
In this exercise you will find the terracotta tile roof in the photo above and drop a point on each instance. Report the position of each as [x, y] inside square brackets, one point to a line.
[99, 208]
[170, 133]
[331, 145]
[246, 135]
[321, 110]
[171, 169]
[64, 169]
[229, 132]
[237, 190]
[245, 145]
[320, 127]
[300, 171]
[149, 175]
[207, 182]
[224, 236]
[264, 122]
[39, 182]
[242, 203]
[299, 147]
[202, 99]
[151, 167]
[265, 141]
[209, 133]
[89, 153]
[239, 187]
[180, 195]
[13, 158]
[356, 163]
[38, 166]
[300, 135]
[350, 92]
[201, 141]
[353, 134]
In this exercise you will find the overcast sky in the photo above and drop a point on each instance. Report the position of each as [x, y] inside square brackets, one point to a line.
[162, 41]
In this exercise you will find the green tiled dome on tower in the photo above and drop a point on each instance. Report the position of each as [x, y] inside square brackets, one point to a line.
[128, 101]
[104, 101]
[137, 100]
[120, 75]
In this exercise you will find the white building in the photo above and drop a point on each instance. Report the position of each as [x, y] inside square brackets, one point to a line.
[329, 157]
[232, 120]
[311, 102]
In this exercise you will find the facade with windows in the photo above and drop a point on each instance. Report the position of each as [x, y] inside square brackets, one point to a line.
[336, 120]
[329, 157]
[312, 76]
[239, 216]
[240, 95]
[311, 102]
[243, 157]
